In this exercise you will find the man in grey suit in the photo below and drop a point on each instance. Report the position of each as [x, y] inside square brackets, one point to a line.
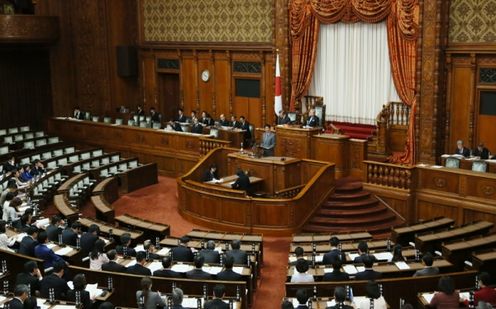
[148, 299]
[428, 270]
[268, 141]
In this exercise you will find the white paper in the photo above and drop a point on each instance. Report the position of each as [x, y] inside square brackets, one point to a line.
[181, 268]
[353, 255]
[328, 270]
[218, 249]
[402, 265]
[93, 290]
[213, 270]
[131, 263]
[319, 258]
[63, 251]
[350, 269]
[387, 256]
[238, 270]
[436, 166]
[163, 252]
[428, 297]
[464, 296]
[43, 223]
[153, 266]
[51, 245]
[139, 248]
[360, 268]
[19, 237]
[63, 307]
[191, 302]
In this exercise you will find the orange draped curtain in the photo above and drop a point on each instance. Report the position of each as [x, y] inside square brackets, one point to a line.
[305, 17]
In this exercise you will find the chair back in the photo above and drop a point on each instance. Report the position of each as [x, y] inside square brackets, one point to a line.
[479, 166]
[452, 162]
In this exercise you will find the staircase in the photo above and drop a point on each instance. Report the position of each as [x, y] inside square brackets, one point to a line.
[352, 209]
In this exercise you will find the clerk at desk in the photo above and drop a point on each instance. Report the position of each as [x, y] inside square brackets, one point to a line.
[211, 174]
[462, 150]
[313, 121]
[243, 181]
[481, 152]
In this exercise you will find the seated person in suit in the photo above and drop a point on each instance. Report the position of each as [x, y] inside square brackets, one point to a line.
[268, 141]
[244, 125]
[211, 174]
[42, 251]
[209, 254]
[242, 182]
[139, 111]
[227, 274]
[55, 228]
[29, 242]
[312, 121]
[287, 305]
[235, 123]
[340, 298]
[112, 265]
[10, 166]
[217, 302]
[26, 173]
[223, 121]
[302, 298]
[283, 118]
[154, 116]
[428, 269]
[150, 248]
[299, 254]
[336, 274]
[31, 276]
[334, 253]
[300, 272]
[98, 256]
[363, 250]
[197, 272]
[180, 116]
[11, 188]
[70, 234]
[146, 298]
[373, 294]
[182, 253]
[88, 239]
[56, 282]
[398, 254]
[38, 168]
[166, 270]
[24, 222]
[174, 125]
[239, 256]
[206, 119]
[192, 116]
[77, 113]
[21, 293]
[486, 292]
[79, 282]
[177, 298]
[447, 297]
[368, 273]
[125, 248]
[481, 152]
[196, 127]
[139, 268]
[462, 150]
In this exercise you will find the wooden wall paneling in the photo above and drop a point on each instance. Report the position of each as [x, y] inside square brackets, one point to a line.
[222, 86]
[189, 90]
[148, 79]
[427, 210]
[205, 89]
[461, 105]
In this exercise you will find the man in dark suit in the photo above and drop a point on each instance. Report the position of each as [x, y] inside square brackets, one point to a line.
[20, 295]
[29, 241]
[206, 119]
[174, 125]
[154, 116]
[340, 297]
[228, 274]
[197, 272]
[79, 282]
[313, 121]
[54, 281]
[55, 228]
[77, 113]
[70, 234]
[124, 247]
[368, 273]
[139, 111]
[235, 123]
[481, 152]
[336, 274]
[244, 125]
[299, 254]
[30, 276]
[302, 297]
[180, 116]
[112, 265]
[182, 253]
[428, 270]
[166, 271]
[283, 118]
[139, 268]
[88, 239]
[196, 127]
[462, 150]
[223, 121]
[334, 253]
[239, 256]
[363, 250]
[209, 254]
[242, 182]
[217, 302]
[211, 174]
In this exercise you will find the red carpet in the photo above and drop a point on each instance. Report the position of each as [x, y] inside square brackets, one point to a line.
[159, 203]
[356, 130]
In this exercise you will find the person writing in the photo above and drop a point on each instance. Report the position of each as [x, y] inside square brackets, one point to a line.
[481, 152]
[243, 181]
[211, 174]
[462, 150]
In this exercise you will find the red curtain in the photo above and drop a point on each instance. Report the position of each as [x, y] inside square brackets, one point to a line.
[402, 23]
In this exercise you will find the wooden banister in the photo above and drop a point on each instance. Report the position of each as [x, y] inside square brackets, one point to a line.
[389, 175]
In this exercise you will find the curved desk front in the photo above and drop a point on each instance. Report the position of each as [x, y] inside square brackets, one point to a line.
[294, 189]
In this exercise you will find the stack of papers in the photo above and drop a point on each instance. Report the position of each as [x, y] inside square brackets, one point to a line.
[182, 268]
[328, 270]
[402, 265]
[238, 269]
[51, 245]
[350, 269]
[42, 223]
[153, 266]
[213, 270]
[384, 256]
[191, 302]
[163, 251]
[360, 268]
[63, 251]
[94, 290]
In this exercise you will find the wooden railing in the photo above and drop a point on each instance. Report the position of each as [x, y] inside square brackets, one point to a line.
[289, 192]
[389, 175]
[392, 124]
[207, 144]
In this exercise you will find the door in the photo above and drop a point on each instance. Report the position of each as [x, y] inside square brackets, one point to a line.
[169, 95]
[486, 121]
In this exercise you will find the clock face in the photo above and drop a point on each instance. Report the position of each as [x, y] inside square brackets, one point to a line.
[205, 75]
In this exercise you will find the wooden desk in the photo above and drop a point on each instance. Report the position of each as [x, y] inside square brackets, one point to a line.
[466, 163]
[105, 228]
[294, 141]
[485, 261]
[222, 208]
[150, 229]
[327, 237]
[347, 246]
[404, 235]
[458, 252]
[138, 177]
[64, 207]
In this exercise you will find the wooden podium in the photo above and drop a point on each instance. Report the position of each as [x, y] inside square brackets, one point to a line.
[294, 141]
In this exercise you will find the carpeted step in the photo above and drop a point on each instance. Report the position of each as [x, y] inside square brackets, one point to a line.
[337, 213]
[364, 222]
[354, 186]
[359, 195]
[362, 203]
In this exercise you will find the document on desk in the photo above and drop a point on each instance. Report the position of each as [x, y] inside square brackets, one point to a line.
[51, 246]
[63, 251]
[213, 270]
[182, 268]
[153, 266]
[191, 302]
[353, 255]
[384, 256]
[20, 236]
[93, 290]
[238, 270]
[163, 251]
[427, 297]
[350, 269]
[402, 265]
